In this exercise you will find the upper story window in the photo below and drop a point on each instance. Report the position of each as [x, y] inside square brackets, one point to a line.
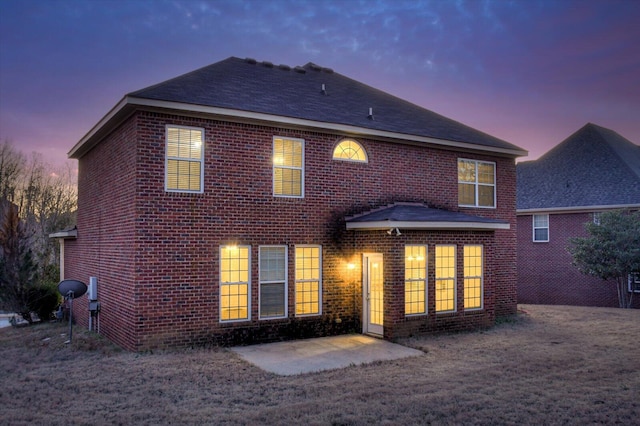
[476, 183]
[350, 150]
[288, 167]
[541, 228]
[184, 159]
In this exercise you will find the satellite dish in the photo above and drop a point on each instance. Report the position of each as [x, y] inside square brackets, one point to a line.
[72, 288]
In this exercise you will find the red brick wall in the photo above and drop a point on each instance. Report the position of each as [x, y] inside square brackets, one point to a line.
[157, 252]
[545, 273]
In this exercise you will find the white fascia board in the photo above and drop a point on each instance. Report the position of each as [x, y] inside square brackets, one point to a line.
[388, 224]
[577, 209]
[248, 115]
[65, 234]
[99, 125]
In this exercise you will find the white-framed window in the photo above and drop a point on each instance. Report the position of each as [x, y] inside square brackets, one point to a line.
[634, 283]
[445, 278]
[473, 276]
[184, 159]
[235, 283]
[350, 150]
[288, 167]
[476, 183]
[541, 228]
[308, 291]
[415, 280]
[273, 282]
[596, 217]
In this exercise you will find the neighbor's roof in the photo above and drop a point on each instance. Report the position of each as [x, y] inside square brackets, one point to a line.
[309, 96]
[420, 216]
[594, 168]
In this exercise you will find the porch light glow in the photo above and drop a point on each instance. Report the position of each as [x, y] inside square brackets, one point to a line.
[351, 266]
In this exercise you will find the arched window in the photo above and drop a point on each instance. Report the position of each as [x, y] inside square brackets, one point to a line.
[350, 150]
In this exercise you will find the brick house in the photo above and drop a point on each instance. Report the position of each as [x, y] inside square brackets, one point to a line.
[592, 171]
[250, 202]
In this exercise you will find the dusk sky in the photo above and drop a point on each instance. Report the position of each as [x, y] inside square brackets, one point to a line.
[529, 72]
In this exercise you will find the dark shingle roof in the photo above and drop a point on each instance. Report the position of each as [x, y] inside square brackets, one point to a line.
[247, 85]
[594, 166]
[420, 216]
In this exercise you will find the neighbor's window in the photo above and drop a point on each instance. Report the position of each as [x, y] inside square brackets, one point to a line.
[234, 283]
[541, 227]
[476, 183]
[288, 167]
[308, 280]
[415, 280]
[350, 150]
[184, 159]
[473, 277]
[634, 283]
[273, 282]
[445, 278]
[596, 217]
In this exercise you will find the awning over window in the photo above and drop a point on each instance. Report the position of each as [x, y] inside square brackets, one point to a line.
[419, 216]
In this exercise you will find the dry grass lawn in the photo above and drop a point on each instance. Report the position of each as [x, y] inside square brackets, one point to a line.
[548, 365]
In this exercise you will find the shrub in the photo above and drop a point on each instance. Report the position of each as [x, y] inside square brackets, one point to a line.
[43, 300]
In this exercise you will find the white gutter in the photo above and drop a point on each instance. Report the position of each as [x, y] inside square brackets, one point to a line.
[576, 209]
[426, 225]
[234, 113]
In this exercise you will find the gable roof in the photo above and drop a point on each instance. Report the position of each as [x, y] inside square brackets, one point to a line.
[307, 96]
[420, 216]
[595, 167]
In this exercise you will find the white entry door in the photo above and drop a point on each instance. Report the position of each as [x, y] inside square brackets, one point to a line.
[373, 294]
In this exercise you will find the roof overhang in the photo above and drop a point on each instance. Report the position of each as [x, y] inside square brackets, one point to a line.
[70, 234]
[426, 225]
[129, 104]
[576, 209]
[418, 216]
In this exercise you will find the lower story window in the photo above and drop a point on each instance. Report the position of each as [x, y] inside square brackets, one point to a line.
[473, 276]
[234, 283]
[273, 282]
[415, 280]
[445, 278]
[634, 283]
[308, 280]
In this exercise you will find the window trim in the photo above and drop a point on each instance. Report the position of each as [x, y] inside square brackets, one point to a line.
[481, 277]
[350, 160]
[534, 228]
[634, 283]
[455, 278]
[285, 282]
[476, 184]
[167, 158]
[274, 166]
[425, 280]
[296, 281]
[248, 282]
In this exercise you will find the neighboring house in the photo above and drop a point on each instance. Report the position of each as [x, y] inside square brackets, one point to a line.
[592, 171]
[249, 202]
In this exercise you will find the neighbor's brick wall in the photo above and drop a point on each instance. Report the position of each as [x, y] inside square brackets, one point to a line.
[167, 275]
[545, 273]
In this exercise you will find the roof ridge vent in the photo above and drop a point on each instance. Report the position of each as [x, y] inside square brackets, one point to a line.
[250, 61]
[300, 70]
[315, 67]
[284, 67]
[327, 70]
[267, 64]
